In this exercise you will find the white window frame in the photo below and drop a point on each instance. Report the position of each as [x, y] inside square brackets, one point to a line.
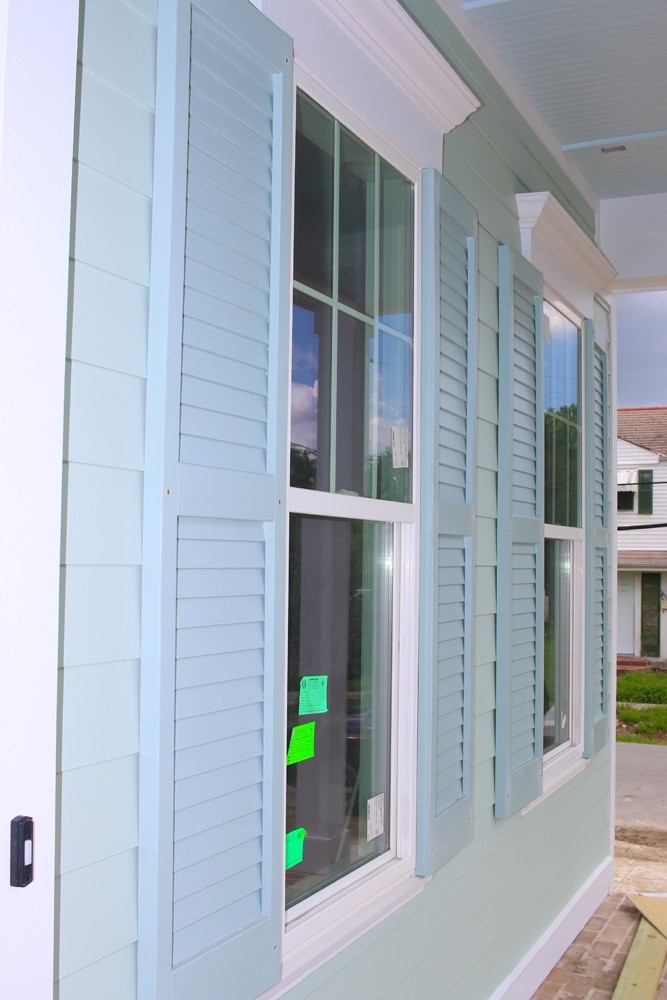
[559, 761]
[390, 87]
[327, 921]
[574, 271]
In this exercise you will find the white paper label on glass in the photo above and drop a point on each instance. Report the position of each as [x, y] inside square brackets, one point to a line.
[375, 817]
[399, 447]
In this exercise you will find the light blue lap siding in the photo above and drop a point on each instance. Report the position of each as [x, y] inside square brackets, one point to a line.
[449, 375]
[520, 638]
[211, 907]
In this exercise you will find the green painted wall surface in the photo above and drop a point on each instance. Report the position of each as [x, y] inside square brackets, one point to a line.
[102, 545]
[480, 914]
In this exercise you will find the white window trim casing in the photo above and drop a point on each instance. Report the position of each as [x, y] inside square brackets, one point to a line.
[327, 922]
[574, 271]
[334, 44]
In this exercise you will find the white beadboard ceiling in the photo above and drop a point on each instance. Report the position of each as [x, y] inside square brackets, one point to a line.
[596, 71]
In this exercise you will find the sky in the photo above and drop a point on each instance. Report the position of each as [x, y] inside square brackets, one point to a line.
[642, 349]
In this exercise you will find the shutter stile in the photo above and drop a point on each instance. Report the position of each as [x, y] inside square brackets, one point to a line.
[449, 370]
[520, 666]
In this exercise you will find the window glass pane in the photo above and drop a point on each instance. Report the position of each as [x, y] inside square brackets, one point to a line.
[562, 420]
[313, 196]
[357, 224]
[352, 351]
[396, 228]
[557, 641]
[311, 392]
[340, 615]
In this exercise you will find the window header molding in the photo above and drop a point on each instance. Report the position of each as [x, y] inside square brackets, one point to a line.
[566, 256]
[374, 57]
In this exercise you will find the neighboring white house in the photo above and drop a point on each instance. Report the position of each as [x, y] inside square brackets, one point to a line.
[642, 550]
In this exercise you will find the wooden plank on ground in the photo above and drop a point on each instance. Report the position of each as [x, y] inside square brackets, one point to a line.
[654, 908]
[641, 973]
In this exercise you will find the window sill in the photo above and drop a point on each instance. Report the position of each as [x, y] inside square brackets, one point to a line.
[318, 937]
[558, 772]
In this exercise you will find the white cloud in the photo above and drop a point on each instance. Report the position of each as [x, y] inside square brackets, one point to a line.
[304, 415]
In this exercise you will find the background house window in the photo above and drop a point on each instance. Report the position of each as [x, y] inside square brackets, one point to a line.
[625, 500]
[351, 438]
[563, 519]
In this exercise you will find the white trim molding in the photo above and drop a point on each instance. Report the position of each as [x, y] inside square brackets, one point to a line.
[376, 60]
[569, 260]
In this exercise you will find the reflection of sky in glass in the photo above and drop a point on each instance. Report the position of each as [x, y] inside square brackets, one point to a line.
[305, 360]
[561, 361]
[394, 403]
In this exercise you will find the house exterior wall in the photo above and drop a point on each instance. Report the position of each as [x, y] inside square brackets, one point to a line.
[631, 458]
[102, 537]
[510, 890]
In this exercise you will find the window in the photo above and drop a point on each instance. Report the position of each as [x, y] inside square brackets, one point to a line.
[350, 499]
[563, 523]
[625, 500]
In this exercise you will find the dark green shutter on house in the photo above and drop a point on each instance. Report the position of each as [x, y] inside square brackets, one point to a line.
[520, 590]
[212, 851]
[448, 375]
[645, 492]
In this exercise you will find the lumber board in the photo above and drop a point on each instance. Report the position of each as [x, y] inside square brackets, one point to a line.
[640, 975]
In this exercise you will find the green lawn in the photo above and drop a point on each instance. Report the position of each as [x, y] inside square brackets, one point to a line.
[641, 708]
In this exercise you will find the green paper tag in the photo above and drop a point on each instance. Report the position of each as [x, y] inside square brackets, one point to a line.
[302, 743]
[294, 841]
[313, 695]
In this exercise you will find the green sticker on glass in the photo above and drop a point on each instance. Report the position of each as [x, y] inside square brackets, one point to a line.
[294, 841]
[302, 743]
[313, 695]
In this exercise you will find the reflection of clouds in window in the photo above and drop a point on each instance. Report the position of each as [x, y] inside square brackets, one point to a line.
[304, 415]
[561, 353]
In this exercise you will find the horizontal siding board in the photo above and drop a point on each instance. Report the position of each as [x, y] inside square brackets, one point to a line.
[100, 713]
[102, 800]
[113, 226]
[119, 44]
[106, 418]
[111, 977]
[111, 122]
[106, 625]
[104, 513]
[109, 321]
[88, 930]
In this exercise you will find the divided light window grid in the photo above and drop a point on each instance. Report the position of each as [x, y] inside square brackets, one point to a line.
[352, 341]
[351, 435]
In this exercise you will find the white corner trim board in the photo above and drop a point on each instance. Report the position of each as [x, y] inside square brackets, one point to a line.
[374, 57]
[553, 242]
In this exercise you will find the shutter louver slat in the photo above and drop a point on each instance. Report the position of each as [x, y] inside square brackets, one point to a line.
[448, 379]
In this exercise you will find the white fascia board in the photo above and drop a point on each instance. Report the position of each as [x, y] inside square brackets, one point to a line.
[373, 56]
[483, 48]
[570, 261]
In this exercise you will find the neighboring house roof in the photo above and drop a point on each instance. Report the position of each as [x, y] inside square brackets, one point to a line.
[645, 426]
[638, 558]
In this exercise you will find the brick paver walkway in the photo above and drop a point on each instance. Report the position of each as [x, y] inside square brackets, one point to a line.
[590, 968]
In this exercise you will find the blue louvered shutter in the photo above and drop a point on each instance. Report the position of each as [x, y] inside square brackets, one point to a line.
[449, 370]
[220, 295]
[597, 540]
[520, 611]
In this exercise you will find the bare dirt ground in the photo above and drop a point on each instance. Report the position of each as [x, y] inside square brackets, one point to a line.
[642, 843]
